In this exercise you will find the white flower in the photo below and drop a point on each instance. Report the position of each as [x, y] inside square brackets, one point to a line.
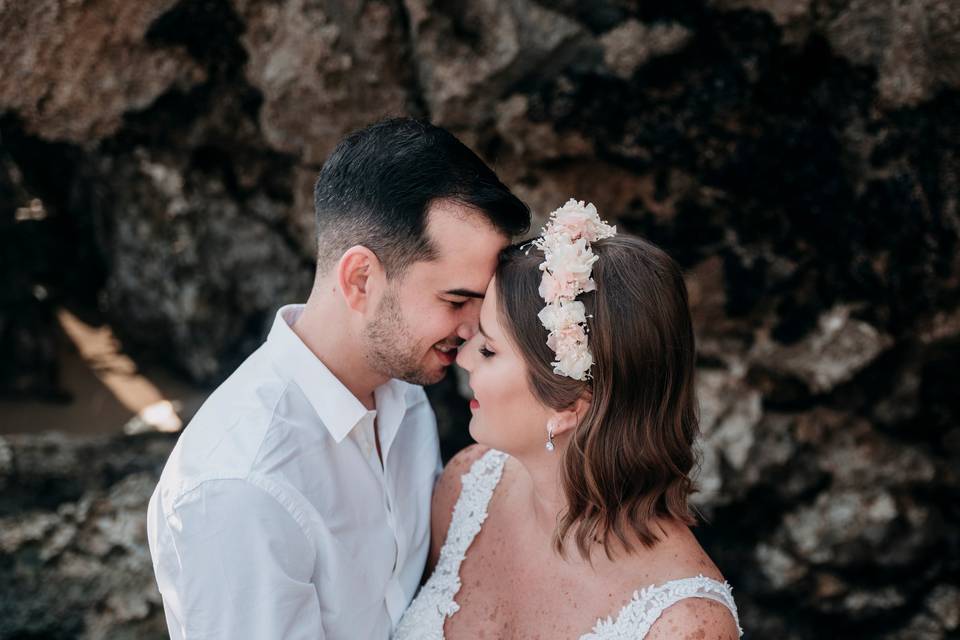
[579, 220]
[556, 316]
[571, 261]
[567, 269]
[574, 364]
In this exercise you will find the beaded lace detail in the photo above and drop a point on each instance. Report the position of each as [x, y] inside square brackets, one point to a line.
[435, 602]
[424, 619]
[646, 606]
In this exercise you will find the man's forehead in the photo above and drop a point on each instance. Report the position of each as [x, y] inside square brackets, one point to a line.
[450, 223]
[467, 246]
[454, 278]
[459, 282]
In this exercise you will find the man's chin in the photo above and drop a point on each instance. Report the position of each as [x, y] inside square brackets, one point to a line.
[425, 377]
[434, 376]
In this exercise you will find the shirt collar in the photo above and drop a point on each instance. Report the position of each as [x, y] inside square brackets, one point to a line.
[338, 409]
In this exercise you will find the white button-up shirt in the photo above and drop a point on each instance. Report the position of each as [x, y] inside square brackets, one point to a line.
[274, 518]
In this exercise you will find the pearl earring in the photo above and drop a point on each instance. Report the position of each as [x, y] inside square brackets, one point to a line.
[549, 446]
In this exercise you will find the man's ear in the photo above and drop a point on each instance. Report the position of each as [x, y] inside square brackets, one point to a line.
[359, 276]
[569, 418]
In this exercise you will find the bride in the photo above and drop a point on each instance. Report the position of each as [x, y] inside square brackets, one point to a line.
[569, 519]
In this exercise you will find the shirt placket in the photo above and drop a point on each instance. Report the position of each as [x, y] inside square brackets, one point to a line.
[395, 598]
[394, 595]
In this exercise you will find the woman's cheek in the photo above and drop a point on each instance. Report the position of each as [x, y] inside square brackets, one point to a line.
[485, 416]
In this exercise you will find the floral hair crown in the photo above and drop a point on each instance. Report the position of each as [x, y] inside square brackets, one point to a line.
[568, 262]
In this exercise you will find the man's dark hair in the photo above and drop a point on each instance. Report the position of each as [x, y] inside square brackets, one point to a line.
[376, 187]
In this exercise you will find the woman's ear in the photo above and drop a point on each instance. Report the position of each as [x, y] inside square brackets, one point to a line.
[569, 418]
[359, 275]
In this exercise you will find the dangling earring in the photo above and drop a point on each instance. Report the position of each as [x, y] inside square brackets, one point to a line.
[550, 427]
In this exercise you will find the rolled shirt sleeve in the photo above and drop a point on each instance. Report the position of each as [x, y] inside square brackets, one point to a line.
[233, 562]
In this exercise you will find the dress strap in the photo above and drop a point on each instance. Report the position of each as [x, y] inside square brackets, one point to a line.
[647, 605]
[469, 513]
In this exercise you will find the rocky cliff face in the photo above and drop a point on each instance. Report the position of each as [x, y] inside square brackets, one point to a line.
[798, 157]
[74, 561]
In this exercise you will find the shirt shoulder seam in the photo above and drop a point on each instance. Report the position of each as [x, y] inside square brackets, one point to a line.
[270, 422]
[196, 480]
[273, 489]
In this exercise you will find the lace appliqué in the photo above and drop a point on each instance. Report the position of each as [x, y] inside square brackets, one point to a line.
[424, 618]
[647, 605]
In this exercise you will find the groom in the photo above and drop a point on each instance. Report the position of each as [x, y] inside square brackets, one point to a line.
[296, 504]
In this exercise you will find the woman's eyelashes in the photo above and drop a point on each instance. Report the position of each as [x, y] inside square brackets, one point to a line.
[486, 353]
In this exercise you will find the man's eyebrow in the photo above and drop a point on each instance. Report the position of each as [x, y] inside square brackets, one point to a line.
[464, 293]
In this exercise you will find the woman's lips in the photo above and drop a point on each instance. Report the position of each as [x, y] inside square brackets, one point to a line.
[474, 405]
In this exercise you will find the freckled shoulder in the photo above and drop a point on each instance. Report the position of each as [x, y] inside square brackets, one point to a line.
[694, 619]
[445, 496]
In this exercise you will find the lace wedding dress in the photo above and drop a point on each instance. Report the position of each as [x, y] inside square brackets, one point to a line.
[424, 619]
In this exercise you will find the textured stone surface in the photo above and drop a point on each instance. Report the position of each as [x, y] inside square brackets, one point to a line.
[72, 69]
[631, 44]
[324, 69]
[831, 355]
[75, 563]
[913, 45]
[191, 262]
[469, 56]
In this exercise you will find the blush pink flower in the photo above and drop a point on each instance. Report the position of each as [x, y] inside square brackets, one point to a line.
[574, 363]
[567, 339]
[580, 220]
[556, 316]
[571, 262]
[553, 289]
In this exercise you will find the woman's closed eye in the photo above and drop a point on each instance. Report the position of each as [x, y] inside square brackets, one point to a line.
[486, 353]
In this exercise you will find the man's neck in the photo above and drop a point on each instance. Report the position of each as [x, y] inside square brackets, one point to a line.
[338, 352]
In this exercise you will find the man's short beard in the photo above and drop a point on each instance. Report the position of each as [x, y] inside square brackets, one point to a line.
[390, 349]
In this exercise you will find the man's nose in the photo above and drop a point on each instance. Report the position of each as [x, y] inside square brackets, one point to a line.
[468, 328]
[463, 355]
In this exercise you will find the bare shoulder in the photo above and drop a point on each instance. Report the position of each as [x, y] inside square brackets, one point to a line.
[695, 619]
[679, 555]
[445, 496]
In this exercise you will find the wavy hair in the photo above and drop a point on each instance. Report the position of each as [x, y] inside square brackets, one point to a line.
[629, 458]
